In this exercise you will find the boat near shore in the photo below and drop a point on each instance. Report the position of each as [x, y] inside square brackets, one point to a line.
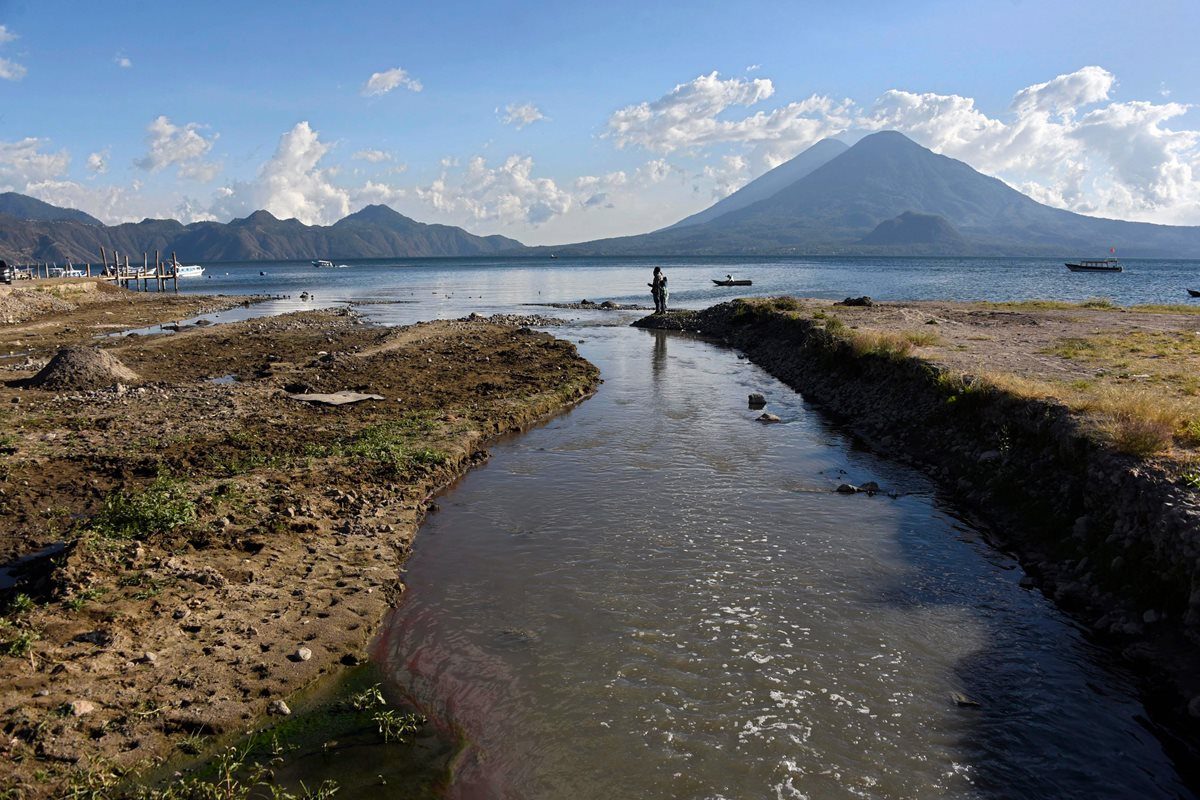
[322, 263]
[189, 270]
[1095, 265]
[729, 280]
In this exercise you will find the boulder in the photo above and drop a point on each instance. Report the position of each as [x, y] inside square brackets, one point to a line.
[857, 301]
[847, 488]
[757, 401]
[766, 418]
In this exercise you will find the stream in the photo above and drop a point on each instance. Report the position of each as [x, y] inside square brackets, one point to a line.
[654, 595]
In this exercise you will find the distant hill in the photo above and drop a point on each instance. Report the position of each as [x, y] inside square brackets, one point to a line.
[374, 232]
[912, 229]
[837, 207]
[770, 183]
[25, 207]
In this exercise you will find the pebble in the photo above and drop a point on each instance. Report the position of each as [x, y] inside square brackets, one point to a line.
[302, 654]
[279, 708]
[80, 708]
[149, 658]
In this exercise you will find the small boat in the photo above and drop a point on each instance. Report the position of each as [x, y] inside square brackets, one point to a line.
[322, 263]
[554, 255]
[189, 270]
[732, 281]
[1094, 265]
[1194, 292]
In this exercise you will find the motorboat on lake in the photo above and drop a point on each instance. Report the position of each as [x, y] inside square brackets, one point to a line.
[189, 270]
[322, 263]
[1095, 265]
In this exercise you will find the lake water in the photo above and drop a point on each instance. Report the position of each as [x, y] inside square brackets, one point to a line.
[653, 595]
[445, 287]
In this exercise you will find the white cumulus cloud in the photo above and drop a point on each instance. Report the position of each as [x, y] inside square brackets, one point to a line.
[384, 82]
[9, 70]
[122, 61]
[183, 146]
[695, 115]
[24, 162]
[373, 156]
[507, 193]
[97, 163]
[520, 115]
[292, 183]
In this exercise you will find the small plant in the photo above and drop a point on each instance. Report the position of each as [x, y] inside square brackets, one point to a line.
[1191, 477]
[367, 699]
[80, 599]
[922, 338]
[786, 303]
[17, 638]
[21, 604]
[395, 726]
[160, 507]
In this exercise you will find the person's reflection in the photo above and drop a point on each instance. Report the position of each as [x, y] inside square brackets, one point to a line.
[659, 364]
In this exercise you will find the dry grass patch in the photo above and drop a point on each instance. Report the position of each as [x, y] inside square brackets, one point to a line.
[1139, 421]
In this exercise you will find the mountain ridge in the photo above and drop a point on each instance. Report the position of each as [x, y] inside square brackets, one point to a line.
[834, 208]
[375, 231]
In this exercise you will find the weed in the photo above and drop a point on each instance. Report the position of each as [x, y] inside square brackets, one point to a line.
[786, 303]
[21, 604]
[367, 699]
[884, 344]
[834, 326]
[17, 637]
[396, 726]
[922, 338]
[160, 507]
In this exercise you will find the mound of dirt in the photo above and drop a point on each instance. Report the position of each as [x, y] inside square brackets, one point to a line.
[83, 368]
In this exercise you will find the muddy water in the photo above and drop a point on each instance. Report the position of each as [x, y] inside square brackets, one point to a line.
[656, 596]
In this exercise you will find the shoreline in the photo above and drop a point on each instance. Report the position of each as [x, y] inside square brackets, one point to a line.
[1111, 537]
[226, 545]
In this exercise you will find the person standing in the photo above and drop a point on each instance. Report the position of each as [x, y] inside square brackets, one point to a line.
[658, 290]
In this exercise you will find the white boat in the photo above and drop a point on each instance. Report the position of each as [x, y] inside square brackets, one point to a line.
[189, 270]
[322, 263]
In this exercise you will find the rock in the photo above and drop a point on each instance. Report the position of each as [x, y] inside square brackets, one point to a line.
[847, 488]
[1194, 707]
[1150, 617]
[149, 658]
[768, 418]
[302, 654]
[989, 455]
[81, 708]
[757, 401]
[279, 708]
[857, 301]
[960, 699]
[1027, 582]
[335, 398]
[870, 487]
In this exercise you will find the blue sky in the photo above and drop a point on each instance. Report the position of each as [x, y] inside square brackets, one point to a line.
[552, 122]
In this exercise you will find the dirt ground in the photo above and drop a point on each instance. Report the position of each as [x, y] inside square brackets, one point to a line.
[1120, 366]
[65, 311]
[221, 545]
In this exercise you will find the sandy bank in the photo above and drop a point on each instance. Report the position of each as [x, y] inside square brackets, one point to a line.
[1070, 430]
[226, 545]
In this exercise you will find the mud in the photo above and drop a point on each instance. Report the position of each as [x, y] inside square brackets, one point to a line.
[213, 529]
